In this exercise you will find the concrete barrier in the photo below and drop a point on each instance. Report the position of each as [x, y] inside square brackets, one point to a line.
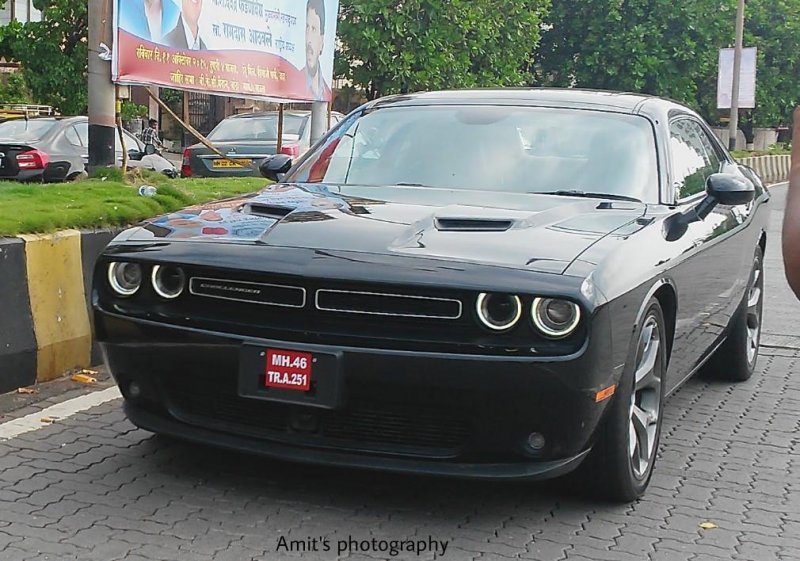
[45, 282]
[771, 169]
[17, 340]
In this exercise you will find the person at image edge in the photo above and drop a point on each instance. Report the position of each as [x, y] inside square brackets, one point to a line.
[791, 220]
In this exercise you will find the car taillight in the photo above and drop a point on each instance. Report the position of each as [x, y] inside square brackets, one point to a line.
[292, 150]
[186, 167]
[32, 159]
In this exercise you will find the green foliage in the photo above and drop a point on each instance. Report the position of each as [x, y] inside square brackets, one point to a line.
[53, 54]
[671, 49]
[774, 27]
[774, 150]
[14, 89]
[173, 98]
[653, 46]
[131, 111]
[399, 47]
[112, 174]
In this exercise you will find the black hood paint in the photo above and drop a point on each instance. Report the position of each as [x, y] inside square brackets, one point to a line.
[541, 233]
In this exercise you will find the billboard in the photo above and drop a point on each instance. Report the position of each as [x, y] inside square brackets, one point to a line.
[264, 49]
[747, 79]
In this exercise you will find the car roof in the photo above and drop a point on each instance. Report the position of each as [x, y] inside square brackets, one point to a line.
[603, 100]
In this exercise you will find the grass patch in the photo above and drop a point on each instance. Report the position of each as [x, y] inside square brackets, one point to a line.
[776, 150]
[95, 203]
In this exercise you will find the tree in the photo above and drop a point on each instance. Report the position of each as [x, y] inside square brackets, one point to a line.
[399, 47]
[14, 89]
[671, 49]
[774, 27]
[52, 53]
[659, 47]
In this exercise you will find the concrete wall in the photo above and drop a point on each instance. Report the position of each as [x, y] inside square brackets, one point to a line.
[762, 138]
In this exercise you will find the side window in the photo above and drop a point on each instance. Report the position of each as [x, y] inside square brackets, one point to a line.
[83, 133]
[713, 157]
[693, 158]
[72, 136]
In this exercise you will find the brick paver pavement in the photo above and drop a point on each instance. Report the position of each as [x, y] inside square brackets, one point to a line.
[93, 487]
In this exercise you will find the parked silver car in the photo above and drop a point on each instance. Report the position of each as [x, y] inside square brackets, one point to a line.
[248, 139]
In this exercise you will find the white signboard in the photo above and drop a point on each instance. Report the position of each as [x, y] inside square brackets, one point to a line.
[747, 79]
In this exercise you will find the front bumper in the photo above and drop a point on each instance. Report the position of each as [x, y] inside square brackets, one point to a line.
[429, 413]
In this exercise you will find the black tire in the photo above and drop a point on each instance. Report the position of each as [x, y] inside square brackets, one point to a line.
[613, 470]
[735, 360]
[77, 176]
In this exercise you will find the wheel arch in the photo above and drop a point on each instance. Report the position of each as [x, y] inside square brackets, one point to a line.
[665, 292]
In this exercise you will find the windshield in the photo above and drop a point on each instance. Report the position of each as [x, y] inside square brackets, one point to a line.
[25, 130]
[491, 148]
[257, 128]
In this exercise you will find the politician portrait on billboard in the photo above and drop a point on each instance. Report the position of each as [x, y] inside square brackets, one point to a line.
[148, 19]
[270, 49]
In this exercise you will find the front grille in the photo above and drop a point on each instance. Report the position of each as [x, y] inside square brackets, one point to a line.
[382, 304]
[252, 292]
[392, 428]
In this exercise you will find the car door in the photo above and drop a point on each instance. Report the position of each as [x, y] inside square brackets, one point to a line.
[708, 270]
[82, 128]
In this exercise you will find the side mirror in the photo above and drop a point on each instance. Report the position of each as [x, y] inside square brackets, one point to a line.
[730, 189]
[134, 154]
[274, 166]
[721, 189]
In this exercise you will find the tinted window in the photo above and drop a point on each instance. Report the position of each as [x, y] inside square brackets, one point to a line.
[513, 149]
[83, 132]
[257, 128]
[26, 129]
[693, 158]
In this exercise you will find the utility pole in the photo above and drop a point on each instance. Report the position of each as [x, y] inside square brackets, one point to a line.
[319, 119]
[737, 69]
[102, 93]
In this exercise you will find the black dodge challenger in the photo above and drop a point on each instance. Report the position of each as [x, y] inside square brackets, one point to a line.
[498, 284]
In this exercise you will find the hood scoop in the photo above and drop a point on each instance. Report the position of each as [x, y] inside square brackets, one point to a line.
[267, 211]
[473, 224]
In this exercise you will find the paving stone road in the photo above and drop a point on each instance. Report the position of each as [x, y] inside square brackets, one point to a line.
[92, 487]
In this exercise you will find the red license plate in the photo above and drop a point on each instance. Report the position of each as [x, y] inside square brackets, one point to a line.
[288, 370]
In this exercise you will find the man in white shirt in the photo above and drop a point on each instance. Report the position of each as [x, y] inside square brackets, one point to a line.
[186, 34]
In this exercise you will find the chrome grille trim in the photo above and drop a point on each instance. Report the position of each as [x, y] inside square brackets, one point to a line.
[300, 289]
[388, 295]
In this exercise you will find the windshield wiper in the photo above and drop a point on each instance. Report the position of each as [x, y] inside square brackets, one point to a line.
[586, 194]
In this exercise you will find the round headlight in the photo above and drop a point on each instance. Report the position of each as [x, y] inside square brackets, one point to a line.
[555, 318]
[168, 281]
[498, 312]
[124, 278]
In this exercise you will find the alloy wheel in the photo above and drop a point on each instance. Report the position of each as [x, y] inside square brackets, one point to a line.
[754, 309]
[645, 407]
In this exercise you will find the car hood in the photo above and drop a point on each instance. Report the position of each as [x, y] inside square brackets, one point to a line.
[534, 232]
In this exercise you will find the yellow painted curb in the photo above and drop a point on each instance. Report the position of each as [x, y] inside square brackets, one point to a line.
[58, 303]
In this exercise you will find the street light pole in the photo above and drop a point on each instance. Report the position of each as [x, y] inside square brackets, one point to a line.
[737, 68]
